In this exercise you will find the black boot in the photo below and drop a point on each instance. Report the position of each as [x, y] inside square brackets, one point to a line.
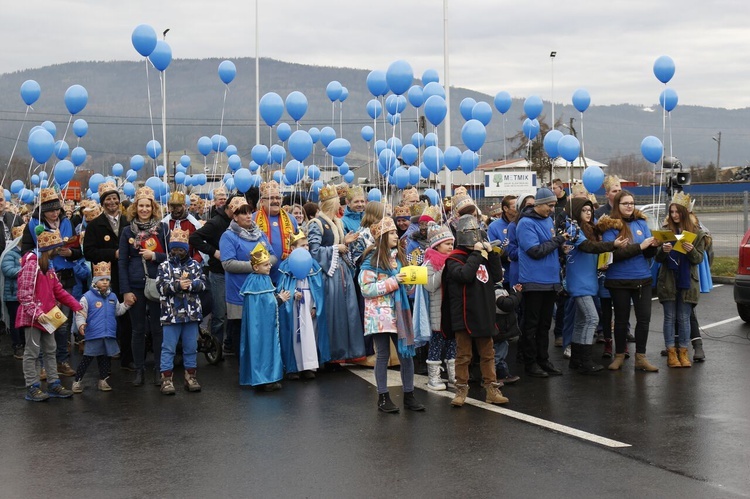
[587, 365]
[138, 381]
[411, 403]
[698, 354]
[575, 356]
[385, 404]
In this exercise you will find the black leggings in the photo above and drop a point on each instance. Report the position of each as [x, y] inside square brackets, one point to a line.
[104, 365]
[641, 298]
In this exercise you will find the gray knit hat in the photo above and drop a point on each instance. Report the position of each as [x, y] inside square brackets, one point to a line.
[544, 196]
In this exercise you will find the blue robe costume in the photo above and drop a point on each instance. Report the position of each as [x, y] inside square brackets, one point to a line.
[260, 349]
[287, 335]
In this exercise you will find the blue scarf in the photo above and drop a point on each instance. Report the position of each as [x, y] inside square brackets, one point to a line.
[402, 310]
[680, 265]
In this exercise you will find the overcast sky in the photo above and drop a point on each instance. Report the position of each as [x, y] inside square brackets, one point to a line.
[606, 47]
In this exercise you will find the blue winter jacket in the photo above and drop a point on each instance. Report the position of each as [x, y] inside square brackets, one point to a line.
[634, 267]
[101, 318]
[11, 266]
[538, 262]
[351, 220]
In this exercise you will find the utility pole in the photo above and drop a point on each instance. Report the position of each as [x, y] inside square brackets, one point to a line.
[718, 155]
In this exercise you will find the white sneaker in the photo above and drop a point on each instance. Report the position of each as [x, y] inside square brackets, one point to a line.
[104, 386]
[77, 387]
[566, 352]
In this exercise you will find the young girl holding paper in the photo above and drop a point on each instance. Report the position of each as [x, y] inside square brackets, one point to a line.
[387, 315]
[677, 285]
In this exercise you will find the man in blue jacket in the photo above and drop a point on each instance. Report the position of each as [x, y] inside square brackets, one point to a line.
[539, 273]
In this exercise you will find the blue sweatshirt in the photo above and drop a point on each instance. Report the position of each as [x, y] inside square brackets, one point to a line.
[636, 267]
[538, 261]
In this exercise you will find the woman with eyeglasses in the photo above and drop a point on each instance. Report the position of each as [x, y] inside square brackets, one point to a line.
[628, 277]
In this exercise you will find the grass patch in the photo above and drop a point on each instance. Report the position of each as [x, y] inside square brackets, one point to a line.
[725, 266]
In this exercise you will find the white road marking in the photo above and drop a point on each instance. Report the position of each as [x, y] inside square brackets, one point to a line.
[394, 379]
[725, 321]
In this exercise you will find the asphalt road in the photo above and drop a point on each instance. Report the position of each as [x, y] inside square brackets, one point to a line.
[676, 433]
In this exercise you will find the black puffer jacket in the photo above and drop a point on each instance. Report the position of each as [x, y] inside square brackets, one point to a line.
[469, 293]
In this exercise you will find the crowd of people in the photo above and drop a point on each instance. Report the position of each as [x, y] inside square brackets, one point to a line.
[292, 287]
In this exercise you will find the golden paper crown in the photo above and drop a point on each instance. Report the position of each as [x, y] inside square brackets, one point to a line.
[91, 212]
[383, 227]
[144, 193]
[342, 190]
[49, 239]
[578, 189]
[496, 210]
[259, 255]
[410, 195]
[102, 269]
[460, 190]
[177, 198]
[296, 237]
[106, 188]
[270, 188]
[328, 192]
[48, 194]
[236, 202]
[433, 213]
[682, 199]
[220, 191]
[17, 232]
[418, 208]
[179, 236]
[401, 211]
[355, 192]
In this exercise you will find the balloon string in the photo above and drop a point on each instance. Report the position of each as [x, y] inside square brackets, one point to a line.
[67, 186]
[505, 152]
[15, 145]
[150, 111]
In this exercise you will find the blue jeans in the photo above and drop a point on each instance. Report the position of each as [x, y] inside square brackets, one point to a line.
[677, 311]
[138, 317]
[382, 343]
[173, 333]
[219, 311]
[568, 321]
[501, 351]
[586, 320]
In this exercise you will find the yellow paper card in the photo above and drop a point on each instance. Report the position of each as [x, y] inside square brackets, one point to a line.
[664, 236]
[686, 237]
[415, 274]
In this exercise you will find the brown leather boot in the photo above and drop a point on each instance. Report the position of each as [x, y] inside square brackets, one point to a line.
[672, 360]
[684, 358]
[494, 395]
[461, 392]
[642, 364]
[616, 364]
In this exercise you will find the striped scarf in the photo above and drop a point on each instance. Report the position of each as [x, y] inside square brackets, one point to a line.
[286, 228]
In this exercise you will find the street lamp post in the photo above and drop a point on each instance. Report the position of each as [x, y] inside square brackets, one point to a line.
[717, 138]
[552, 65]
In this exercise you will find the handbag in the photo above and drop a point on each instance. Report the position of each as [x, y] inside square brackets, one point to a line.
[150, 290]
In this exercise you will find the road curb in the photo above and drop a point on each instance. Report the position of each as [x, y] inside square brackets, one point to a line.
[722, 279]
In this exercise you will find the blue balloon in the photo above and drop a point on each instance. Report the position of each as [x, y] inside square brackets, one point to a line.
[394, 119]
[581, 99]
[374, 195]
[533, 106]
[117, 169]
[16, 186]
[155, 184]
[333, 90]
[473, 133]
[391, 103]
[229, 151]
[423, 171]
[435, 109]
[137, 162]
[344, 94]
[144, 39]
[466, 106]
[430, 76]
[253, 166]
[433, 158]
[35, 180]
[343, 168]
[379, 146]
[452, 158]
[431, 139]
[399, 77]
[6, 192]
[27, 196]
[367, 133]
[50, 127]
[652, 149]
[205, 146]
[243, 180]
[530, 128]
[95, 181]
[550, 143]
[300, 263]
[394, 144]
[153, 149]
[128, 189]
[278, 176]
[78, 156]
[185, 159]
[374, 108]
[593, 177]
[259, 154]
[327, 134]
[41, 145]
[313, 172]
[417, 139]
[503, 101]
[161, 56]
[409, 154]
[349, 177]
[301, 145]
[278, 153]
[42, 175]
[131, 175]
[664, 70]
[284, 131]
[80, 127]
[668, 99]
[377, 83]
[469, 161]
[76, 98]
[433, 196]
[338, 147]
[387, 159]
[30, 92]
[160, 171]
[315, 134]
[227, 72]
[569, 147]
[415, 96]
[482, 112]
[43, 184]
[219, 143]
[401, 178]
[414, 175]
[255, 181]
[271, 108]
[234, 162]
[433, 88]
[296, 105]
[339, 160]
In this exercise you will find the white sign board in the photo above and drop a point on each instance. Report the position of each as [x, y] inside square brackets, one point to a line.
[503, 183]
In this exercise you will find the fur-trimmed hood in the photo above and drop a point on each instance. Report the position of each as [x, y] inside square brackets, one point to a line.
[606, 222]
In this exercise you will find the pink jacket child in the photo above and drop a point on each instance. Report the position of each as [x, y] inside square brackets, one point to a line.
[39, 291]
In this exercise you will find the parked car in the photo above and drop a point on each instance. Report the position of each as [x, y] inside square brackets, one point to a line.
[742, 280]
